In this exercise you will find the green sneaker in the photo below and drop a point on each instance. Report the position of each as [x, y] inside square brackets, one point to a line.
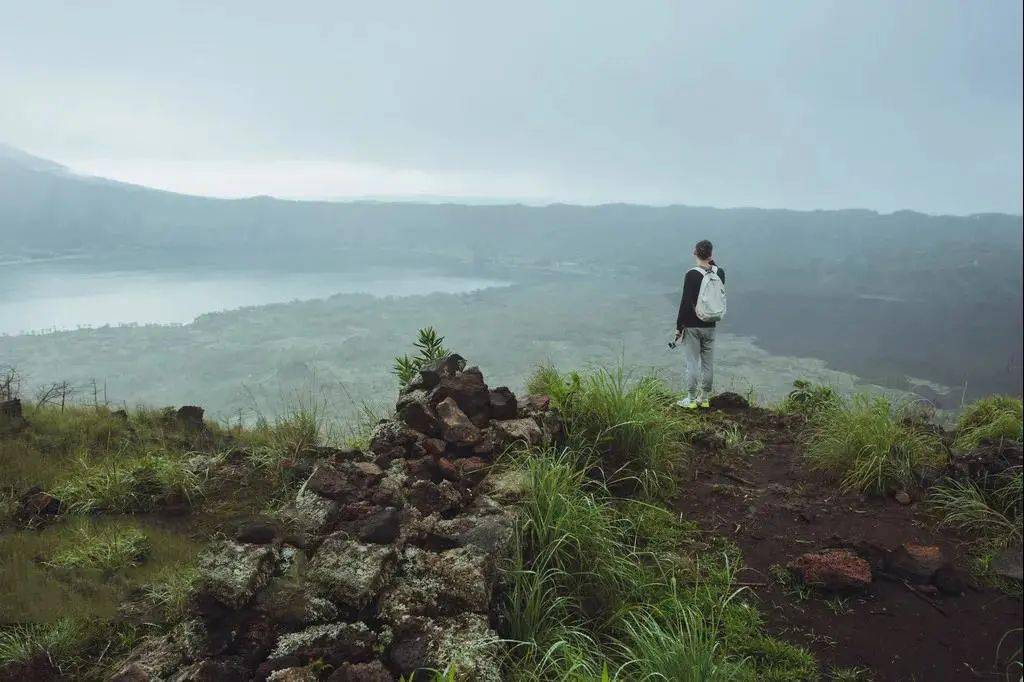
[705, 404]
[687, 404]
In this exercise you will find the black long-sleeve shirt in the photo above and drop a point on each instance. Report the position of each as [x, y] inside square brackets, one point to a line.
[687, 316]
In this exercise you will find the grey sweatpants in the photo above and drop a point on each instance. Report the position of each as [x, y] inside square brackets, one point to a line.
[699, 353]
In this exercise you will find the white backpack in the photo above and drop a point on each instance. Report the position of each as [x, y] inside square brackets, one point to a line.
[711, 299]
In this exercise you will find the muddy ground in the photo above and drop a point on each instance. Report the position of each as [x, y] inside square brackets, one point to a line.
[774, 508]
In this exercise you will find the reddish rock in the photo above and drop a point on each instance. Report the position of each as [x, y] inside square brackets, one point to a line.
[917, 562]
[447, 468]
[329, 482]
[469, 392]
[833, 570]
[428, 497]
[434, 447]
[35, 505]
[471, 468]
[422, 467]
[458, 429]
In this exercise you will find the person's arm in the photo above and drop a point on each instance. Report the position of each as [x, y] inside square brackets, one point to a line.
[688, 300]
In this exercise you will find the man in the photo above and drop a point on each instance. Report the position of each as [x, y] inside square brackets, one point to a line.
[697, 331]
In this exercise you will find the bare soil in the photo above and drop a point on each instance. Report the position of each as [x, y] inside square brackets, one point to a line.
[775, 509]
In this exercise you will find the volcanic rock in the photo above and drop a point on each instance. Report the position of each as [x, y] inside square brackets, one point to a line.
[414, 409]
[503, 403]
[729, 400]
[457, 428]
[233, 572]
[832, 570]
[351, 572]
[525, 431]
[916, 562]
[469, 392]
[331, 642]
[382, 528]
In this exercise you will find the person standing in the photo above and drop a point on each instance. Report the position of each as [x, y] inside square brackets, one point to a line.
[701, 307]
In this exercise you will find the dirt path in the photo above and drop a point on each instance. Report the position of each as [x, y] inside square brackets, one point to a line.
[774, 509]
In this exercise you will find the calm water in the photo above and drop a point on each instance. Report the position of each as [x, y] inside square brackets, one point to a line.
[46, 296]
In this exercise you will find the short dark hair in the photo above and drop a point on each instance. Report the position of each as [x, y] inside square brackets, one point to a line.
[703, 249]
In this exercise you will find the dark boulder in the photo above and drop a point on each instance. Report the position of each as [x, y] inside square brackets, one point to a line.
[503, 403]
[190, 416]
[35, 506]
[382, 528]
[10, 410]
[414, 409]
[729, 401]
[257, 533]
[916, 562]
[457, 428]
[469, 392]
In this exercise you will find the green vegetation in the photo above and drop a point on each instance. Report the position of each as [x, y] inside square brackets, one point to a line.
[737, 442]
[629, 423]
[430, 347]
[592, 594]
[104, 549]
[58, 643]
[990, 511]
[808, 398]
[136, 485]
[865, 444]
[992, 418]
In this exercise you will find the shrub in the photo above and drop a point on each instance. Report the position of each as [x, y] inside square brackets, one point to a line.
[869, 448]
[992, 418]
[629, 422]
[807, 398]
[106, 550]
[992, 512]
[429, 347]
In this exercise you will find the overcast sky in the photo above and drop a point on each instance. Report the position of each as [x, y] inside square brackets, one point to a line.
[883, 105]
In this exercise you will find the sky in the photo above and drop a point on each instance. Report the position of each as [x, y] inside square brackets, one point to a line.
[805, 105]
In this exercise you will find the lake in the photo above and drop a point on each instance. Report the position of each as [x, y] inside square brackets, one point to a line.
[45, 296]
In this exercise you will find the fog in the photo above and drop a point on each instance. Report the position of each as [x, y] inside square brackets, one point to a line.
[797, 105]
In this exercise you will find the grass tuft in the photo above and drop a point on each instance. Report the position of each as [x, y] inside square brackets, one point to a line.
[58, 642]
[991, 512]
[993, 418]
[125, 486]
[107, 550]
[629, 422]
[865, 444]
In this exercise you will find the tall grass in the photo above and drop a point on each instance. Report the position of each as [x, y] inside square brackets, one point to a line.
[991, 512]
[132, 485]
[993, 418]
[59, 642]
[628, 421]
[869, 448]
[105, 549]
[591, 595]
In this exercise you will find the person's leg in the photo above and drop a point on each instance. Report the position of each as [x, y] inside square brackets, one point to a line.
[707, 362]
[691, 356]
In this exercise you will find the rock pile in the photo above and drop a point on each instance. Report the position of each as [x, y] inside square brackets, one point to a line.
[392, 564]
